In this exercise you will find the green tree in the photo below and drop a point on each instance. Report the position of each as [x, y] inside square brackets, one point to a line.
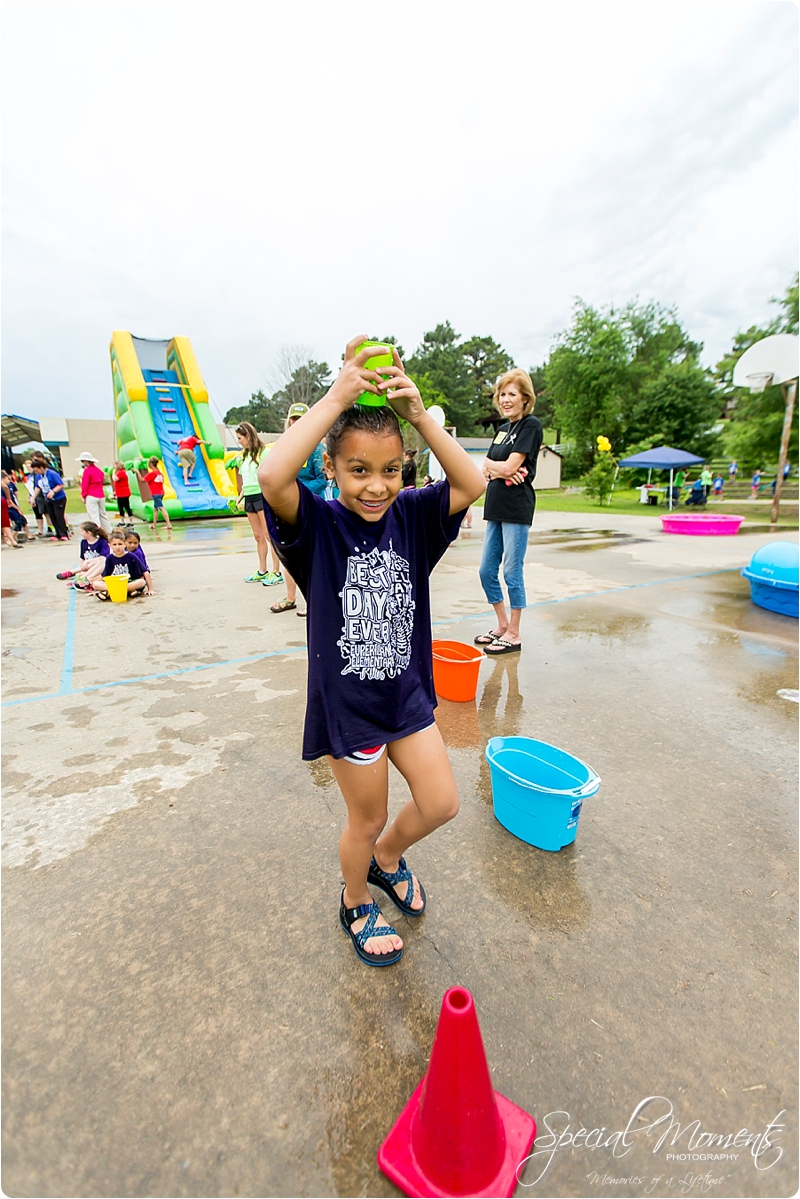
[544, 402]
[756, 418]
[587, 379]
[306, 384]
[486, 362]
[440, 358]
[615, 370]
[600, 479]
[266, 416]
[682, 403]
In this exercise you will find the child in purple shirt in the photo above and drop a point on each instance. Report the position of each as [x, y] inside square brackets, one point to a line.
[133, 546]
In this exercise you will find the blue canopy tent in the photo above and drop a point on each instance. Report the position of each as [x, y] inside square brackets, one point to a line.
[663, 457]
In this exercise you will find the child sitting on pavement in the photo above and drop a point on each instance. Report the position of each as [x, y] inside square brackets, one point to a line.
[121, 564]
[133, 546]
[94, 551]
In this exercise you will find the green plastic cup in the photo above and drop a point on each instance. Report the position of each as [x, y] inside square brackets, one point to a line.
[374, 364]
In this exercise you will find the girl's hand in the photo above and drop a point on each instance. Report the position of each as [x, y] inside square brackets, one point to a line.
[354, 378]
[150, 591]
[401, 392]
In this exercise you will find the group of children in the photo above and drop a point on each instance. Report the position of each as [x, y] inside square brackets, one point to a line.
[120, 556]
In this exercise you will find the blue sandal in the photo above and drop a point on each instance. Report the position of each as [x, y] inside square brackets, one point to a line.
[348, 917]
[388, 882]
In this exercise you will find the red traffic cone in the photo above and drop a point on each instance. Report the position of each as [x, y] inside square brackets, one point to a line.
[457, 1135]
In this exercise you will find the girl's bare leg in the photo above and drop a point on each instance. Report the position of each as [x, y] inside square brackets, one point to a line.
[366, 792]
[94, 569]
[259, 527]
[270, 548]
[291, 595]
[422, 760]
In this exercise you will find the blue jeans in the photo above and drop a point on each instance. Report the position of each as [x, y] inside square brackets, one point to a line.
[506, 542]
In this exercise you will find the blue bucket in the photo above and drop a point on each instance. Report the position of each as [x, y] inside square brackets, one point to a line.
[538, 790]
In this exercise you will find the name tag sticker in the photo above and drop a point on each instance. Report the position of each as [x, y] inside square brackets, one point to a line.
[500, 437]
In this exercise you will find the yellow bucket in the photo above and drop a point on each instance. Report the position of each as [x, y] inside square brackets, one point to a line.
[118, 588]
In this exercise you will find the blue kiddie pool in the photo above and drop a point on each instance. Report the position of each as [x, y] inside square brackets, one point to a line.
[538, 790]
[773, 577]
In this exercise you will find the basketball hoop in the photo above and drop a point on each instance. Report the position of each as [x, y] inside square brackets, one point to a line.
[759, 382]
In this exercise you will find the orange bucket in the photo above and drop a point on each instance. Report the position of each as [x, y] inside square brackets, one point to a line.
[455, 670]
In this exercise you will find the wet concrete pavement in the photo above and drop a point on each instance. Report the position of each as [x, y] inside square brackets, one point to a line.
[182, 1014]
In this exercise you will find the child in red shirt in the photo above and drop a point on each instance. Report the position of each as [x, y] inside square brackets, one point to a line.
[122, 491]
[155, 481]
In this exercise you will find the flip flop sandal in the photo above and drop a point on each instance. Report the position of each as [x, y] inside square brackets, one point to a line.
[500, 646]
[103, 596]
[283, 606]
[388, 882]
[484, 639]
[66, 574]
[348, 917]
[302, 612]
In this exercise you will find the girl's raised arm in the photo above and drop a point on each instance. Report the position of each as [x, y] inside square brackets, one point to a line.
[277, 474]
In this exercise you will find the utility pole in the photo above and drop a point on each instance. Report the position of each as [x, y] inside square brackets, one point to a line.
[789, 393]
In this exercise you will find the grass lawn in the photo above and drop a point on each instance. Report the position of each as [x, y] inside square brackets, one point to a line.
[626, 501]
[75, 504]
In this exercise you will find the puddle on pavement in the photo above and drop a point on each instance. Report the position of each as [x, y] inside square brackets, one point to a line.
[582, 547]
[620, 627]
[390, 1031]
[726, 601]
[321, 773]
[556, 536]
[763, 690]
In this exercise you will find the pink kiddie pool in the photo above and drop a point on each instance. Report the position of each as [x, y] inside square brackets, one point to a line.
[702, 524]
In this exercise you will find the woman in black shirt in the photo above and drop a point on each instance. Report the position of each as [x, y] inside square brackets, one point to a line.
[510, 467]
[409, 468]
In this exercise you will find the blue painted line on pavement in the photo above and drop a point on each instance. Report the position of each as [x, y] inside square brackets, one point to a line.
[69, 647]
[164, 674]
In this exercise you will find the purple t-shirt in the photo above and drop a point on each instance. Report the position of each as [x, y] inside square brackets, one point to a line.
[139, 553]
[370, 666]
[126, 566]
[94, 549]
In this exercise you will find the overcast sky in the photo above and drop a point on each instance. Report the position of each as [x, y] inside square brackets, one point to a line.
[260, 175]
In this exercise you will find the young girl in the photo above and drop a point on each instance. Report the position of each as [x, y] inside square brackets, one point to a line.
[133, 544]
[252, 453]
[122, 491]
[154, 479]
[363, 562]
[94, 551]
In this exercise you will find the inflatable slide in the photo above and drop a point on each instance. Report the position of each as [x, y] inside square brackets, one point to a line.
[160, 398]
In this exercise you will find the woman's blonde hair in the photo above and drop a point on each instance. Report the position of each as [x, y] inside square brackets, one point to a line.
[522, 381]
